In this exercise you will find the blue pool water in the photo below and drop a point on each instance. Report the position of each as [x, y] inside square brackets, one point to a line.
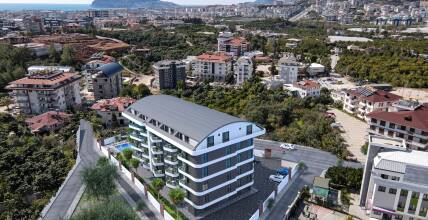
[123, 146]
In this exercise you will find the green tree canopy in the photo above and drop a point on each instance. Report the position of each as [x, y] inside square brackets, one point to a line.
[99, 180]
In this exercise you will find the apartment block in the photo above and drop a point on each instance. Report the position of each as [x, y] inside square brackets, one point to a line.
[243, 70]
[406, 120]
[207, 153]
[110, 110]
[213, 66]
[168, 73]
[235, 46]
[288, 69]
[307, 88]
[363, 100]
[395, 181]
[40, 93]
[107, 81]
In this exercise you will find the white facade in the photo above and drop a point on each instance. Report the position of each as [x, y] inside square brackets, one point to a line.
[215, 67]
[243, 70]
[395, 184]
[315, 69]
[288, 69]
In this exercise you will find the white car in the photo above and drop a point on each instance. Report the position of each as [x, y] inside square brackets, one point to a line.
[276, 178]
[287, 146]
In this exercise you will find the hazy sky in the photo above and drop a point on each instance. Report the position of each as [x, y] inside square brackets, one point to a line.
[185, 2]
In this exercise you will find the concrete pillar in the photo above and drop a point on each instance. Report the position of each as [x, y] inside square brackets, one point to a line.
[145, 190]
[120, 165]
[397, 198]
[276, 191]
[109, 155]
[289, 173]
[418, 206]
[260, 209]
[409, 197]
[133, 177]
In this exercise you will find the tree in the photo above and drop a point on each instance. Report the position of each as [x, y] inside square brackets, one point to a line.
[177, 196]
[273, 70]
[158, 184]
[53, 54]
[107, 210]
[135, 163]
[127, 154]
[230, 79]
[6, 101]
[99, 180]
[66, 56]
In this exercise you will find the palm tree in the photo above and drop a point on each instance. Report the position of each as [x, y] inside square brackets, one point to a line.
[135, 163]
[158, 184]
[177, 197]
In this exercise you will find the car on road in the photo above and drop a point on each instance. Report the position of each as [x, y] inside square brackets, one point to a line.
[282, 171]
[276, 178]
[287, 146]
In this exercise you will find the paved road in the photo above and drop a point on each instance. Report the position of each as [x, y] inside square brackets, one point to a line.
[89, 156]
[316, 161]
[301, 15]
[65, 198]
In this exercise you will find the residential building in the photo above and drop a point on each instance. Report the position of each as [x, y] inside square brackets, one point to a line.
[168, 73]
[363, 100]
[37, 69]
[39, 93]
[316, 69]
[243, 70]
[322, 193]
[110, 110]
[307, 88]
[213, 66]
[395, 182]
[288, 68]
[406, 120]
[207, 153]
[107, 81]
[48, 121]
[235, 46]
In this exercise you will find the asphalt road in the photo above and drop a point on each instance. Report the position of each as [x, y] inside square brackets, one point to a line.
[89, 156]
[316, 161]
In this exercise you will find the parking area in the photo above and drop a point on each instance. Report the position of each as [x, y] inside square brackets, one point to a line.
[355, 132]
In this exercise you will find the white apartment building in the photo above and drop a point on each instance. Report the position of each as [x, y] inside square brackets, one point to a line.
[362, 101]
[207, 153]
[243, 70]
[215, 66]
[288, 69]
[40, 93]
[307, 88]
[395, 181]
[406, 120]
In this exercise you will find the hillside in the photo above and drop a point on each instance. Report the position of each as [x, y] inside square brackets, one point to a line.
[132, 4]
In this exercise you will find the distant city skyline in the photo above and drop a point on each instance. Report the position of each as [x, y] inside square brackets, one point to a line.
[181, 2]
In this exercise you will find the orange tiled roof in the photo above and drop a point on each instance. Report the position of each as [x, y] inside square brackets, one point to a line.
[307, 84]
[215, 57]
[47, 119]
[45, 81]
[114, 104]
[238, 41]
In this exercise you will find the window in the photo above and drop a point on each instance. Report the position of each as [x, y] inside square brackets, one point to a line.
[375, 212]
[382, 123]
[391, 125]
[204, 158]
[250, 154]
[398, 217]
[412, 130]
[225, 136]
[239, 170]
[229, 188]
[410, 138]
[395, 178]
[249, 129]
[204, 171]
[210, 141]
[207, 198]
[384, 176]
[403, 192]
[205, 186]
[229, 176]
[392, 191]
[374, 120]
[381, 189]
[228, 150]
[228, 163]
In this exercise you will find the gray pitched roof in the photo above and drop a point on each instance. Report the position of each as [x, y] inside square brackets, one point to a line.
[390, 165]
[110, 69]
[193, 120]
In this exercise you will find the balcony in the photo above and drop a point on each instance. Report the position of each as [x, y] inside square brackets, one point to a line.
[171, 160]
[173, 172]
[157, 150]
[158, 173]
[157, 161]
[136, 137]
[172, 183]
[169, 148]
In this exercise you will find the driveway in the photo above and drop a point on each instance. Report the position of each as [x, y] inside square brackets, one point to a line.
[355, 133]
[316, 162]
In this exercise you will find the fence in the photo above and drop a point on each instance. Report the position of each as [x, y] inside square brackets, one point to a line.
[273, 195]
[138, 184]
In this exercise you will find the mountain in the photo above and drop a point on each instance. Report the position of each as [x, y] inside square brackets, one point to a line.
[132, 4]
[264, 1]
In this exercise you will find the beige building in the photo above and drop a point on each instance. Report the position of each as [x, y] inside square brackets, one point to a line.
[213, 66]
[40, 93]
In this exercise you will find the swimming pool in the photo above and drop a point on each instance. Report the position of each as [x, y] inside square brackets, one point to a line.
[123, 146]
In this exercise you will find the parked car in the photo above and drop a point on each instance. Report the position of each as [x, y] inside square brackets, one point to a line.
[276, 178]
[282, 171]
[287, 146]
